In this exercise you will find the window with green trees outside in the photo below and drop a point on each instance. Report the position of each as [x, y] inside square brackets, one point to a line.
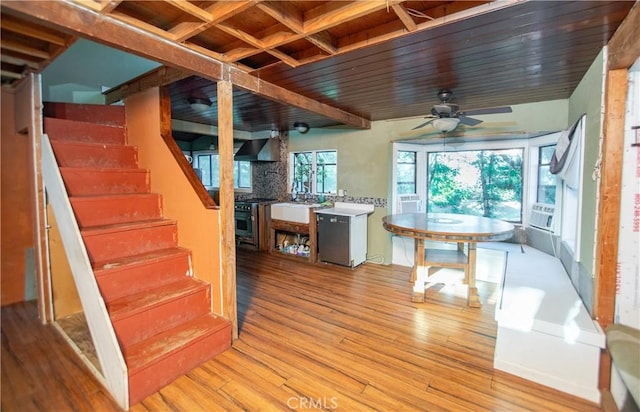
[476, 182]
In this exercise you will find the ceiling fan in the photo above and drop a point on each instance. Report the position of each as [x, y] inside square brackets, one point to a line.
[446, 116]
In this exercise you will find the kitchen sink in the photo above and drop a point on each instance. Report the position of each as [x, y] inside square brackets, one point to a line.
[292, 212]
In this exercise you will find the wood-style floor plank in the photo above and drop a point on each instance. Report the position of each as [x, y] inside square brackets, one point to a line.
[311, 337]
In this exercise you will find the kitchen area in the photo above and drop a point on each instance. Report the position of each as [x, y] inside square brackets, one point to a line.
[327, 228]
[311, 232]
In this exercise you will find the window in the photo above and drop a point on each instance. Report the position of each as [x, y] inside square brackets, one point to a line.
[546, 181]
[406, 172]
[327, 172]
[321, 164]
[208, 164]
[476, 182]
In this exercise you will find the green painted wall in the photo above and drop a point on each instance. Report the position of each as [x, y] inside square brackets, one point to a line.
[363, 171]
[587, 98]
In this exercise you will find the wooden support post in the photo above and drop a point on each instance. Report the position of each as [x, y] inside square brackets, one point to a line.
[609, 208]
[225, 149]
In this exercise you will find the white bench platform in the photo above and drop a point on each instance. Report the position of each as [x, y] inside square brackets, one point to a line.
[545, 334]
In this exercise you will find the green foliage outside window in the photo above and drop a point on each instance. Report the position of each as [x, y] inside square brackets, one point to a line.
[406, 172]
[479, 182]
[322, 164]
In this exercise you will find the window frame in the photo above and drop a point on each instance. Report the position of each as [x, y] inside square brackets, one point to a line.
[512, 147]
[540, 165]
[196, 165]
[415, 170]
[313, 181]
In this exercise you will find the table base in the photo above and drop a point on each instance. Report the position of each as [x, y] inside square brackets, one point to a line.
[438, 258]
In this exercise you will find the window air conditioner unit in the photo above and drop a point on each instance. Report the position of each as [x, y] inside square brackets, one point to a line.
[541, 216]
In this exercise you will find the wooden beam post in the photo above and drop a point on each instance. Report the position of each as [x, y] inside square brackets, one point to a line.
[624, 47]
[609, 208]
[227, 226]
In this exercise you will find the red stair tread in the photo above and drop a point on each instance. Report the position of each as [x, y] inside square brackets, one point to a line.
[141, 259]
[139, 302]
[83, 181]
[156, 348]
[121, 276]
[109, 196]
[99, 210]
[94, 113]
[92, 170]
[94, 155]
[120, 227]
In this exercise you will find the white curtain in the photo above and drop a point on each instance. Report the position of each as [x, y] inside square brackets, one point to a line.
[566, 159]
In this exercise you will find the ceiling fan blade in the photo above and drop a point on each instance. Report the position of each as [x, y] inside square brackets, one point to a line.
[469, 121]
[423, 124]
[491, 110]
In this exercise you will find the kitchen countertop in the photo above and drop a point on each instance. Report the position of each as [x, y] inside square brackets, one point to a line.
[347, 209]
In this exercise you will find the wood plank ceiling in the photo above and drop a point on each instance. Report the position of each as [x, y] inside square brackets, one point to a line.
[375, 59]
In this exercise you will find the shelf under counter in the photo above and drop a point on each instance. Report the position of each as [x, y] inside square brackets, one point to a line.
[288, 228]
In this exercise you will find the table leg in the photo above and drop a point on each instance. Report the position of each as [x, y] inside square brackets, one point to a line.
[418, 273]
[466, 267]
[473, 299]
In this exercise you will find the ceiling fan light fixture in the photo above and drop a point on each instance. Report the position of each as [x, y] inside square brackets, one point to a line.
[445, 124]
[301, 127]
[199, 104]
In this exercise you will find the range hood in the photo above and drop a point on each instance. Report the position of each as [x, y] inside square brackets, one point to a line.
[259, 150]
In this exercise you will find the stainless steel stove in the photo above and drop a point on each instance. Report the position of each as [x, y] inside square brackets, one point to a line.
[247, 220]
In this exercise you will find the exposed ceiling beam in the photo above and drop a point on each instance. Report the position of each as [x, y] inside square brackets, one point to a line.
[87, 23]
[18, 61]
[35, 33]
[13, 75]
[406, 19]
[21, 48]
[220, 11]
[624, 46]
[159, 77]
[289, 16]
[103, 6]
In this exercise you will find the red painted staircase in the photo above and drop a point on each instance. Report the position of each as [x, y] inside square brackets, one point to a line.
[160, 313]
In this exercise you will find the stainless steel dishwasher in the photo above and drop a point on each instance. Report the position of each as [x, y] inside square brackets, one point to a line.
[333, 239]
[342, 233]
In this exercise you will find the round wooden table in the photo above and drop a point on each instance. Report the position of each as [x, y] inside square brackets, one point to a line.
[445, 227]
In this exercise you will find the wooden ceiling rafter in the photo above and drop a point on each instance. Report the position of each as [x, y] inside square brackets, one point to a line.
[314, 29]
[404, 17]
[24, 49]
[81, 21]
[221, 10]
[18, 61]
[101, 6]
[27, 48]
[35, 33]
[311, 24]
[287, 15]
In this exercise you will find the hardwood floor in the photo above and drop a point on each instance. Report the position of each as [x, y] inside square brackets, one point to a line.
[311, 337]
